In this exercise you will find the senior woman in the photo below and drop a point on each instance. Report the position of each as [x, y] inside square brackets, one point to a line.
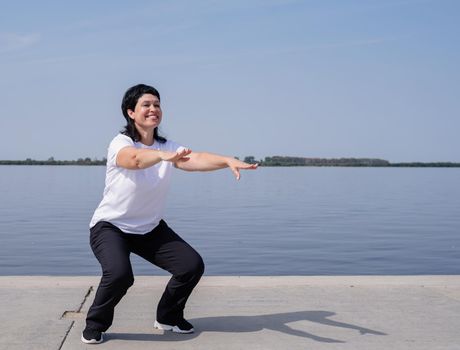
[129, 219]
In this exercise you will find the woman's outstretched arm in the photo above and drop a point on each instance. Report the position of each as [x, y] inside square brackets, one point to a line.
[203, 161]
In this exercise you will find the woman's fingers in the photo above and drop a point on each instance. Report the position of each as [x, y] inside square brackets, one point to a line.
[179, 155]
[184, 154]
[185, 151]
[236, 169]
[251, 166]
[236, 172]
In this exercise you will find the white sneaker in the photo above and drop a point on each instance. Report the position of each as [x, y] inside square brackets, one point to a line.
[181, 327]
[90, 336]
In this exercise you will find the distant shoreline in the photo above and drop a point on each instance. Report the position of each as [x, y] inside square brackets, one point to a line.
[276, 161]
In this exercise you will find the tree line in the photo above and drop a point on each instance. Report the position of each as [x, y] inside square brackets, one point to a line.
[266, 162]
[52, 161]
[351, 162]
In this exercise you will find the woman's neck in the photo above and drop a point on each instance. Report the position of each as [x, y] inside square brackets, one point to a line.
[146, 136]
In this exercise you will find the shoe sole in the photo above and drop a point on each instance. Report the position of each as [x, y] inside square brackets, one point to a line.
[175, 329]
[92, 341]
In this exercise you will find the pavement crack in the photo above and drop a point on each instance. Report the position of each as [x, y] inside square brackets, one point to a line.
[74, 314]
[66, 335]
[90, 289]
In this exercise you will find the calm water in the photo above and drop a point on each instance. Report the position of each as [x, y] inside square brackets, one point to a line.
[275, 221]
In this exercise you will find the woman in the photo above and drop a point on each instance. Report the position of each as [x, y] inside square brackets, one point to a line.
[129, 218]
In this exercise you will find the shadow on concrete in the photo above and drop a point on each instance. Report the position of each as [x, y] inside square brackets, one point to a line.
[242, 324]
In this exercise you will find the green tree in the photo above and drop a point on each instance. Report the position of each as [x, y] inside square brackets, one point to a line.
[249, 159]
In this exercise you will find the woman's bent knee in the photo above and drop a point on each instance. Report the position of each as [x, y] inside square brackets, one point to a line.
[201, 266]
[190, 270]
[197, 267]
[122, 280]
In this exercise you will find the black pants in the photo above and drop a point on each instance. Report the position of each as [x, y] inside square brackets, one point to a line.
[162, 247]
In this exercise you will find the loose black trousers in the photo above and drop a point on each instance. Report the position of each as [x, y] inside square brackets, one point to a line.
[162, 247]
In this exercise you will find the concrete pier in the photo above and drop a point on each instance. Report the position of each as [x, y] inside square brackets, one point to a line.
[298, 312]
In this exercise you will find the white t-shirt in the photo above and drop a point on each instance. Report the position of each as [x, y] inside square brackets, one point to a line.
[134, 200]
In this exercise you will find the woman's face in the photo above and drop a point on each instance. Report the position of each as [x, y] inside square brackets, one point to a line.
[147, 114]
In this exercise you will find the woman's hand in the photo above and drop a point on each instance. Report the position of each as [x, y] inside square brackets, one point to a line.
[174, 157]
[236, 165]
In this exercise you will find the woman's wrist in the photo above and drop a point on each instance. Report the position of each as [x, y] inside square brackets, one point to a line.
[161, 155]
[227, 161]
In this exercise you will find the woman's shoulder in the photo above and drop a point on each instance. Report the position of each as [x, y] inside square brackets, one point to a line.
[121, 138]
[120, 141]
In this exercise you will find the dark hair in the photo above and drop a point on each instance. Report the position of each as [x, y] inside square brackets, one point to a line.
[132, 95]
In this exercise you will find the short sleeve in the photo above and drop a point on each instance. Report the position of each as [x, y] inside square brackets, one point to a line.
[120, 141]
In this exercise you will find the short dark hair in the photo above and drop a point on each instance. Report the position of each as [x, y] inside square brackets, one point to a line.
[130, 98]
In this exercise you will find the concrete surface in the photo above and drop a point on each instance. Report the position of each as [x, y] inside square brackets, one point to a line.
[352, 312]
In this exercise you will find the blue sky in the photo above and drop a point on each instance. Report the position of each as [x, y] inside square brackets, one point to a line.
[325, 78]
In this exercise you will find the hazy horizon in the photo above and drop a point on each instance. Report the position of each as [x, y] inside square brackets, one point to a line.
[96, 159]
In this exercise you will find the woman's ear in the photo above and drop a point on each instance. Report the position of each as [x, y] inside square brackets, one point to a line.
[130, 113]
